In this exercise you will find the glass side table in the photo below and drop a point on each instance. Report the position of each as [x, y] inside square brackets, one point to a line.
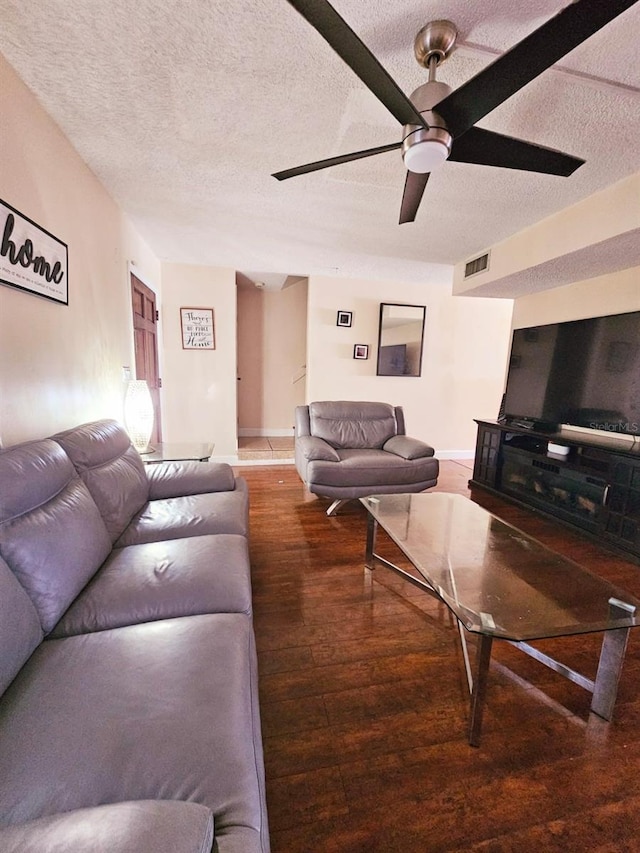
[178, 452]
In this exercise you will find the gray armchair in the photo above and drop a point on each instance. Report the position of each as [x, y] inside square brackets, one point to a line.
[346, 450]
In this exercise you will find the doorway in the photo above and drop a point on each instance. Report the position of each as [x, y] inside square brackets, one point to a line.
[272, 322]
[145, 338]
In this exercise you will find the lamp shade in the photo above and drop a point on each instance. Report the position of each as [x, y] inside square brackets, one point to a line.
[138, 414]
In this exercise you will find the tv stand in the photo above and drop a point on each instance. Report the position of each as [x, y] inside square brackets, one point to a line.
[536, 426]
[594, 486]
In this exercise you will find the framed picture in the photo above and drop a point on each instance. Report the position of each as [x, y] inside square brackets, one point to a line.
[197, 328]
[361, 351]
[344, 318]
[32, 259]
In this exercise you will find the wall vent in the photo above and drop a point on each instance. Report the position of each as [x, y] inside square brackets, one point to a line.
[476, 265]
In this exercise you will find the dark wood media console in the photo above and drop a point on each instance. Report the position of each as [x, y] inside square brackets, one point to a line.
[595, 487]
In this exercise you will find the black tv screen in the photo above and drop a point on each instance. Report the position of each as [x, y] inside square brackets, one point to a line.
[581, 372]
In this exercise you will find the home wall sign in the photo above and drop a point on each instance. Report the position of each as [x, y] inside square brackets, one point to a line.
[197, 328]
[31, 258]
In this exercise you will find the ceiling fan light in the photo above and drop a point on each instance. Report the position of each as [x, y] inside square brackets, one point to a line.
[425, 156]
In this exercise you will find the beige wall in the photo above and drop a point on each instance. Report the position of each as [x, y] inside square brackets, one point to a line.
[271, 357]
[604, 216]
[465, 352]
[199, 386]
[62, 365]
[608, 294]
[250, 358]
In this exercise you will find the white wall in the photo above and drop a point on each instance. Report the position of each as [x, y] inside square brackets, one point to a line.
[465, 352]
[62, 365]
[199, 386]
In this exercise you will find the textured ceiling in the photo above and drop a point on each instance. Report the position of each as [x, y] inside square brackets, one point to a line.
[184, 109]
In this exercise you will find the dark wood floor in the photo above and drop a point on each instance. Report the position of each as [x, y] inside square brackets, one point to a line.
[364, 701]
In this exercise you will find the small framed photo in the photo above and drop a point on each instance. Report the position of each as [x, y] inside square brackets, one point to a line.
[361, 351]
[197, 328]
[344, 318]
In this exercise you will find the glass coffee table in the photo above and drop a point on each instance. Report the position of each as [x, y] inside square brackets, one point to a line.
[502, 585]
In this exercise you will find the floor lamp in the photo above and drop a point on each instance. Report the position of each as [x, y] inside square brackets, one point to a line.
[138, 414]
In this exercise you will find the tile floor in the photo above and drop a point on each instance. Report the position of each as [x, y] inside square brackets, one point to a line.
[256, 447]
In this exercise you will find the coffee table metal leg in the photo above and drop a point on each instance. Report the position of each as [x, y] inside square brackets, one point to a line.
[372, 529]
[483, 658]
[614, 646]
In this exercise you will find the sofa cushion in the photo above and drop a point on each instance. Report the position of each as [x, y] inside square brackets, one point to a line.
[112, 469]
[147, 826]
[174, 479]
[191, 515]
[159, 580]
[20, 629]
[51, 533]
[345, 424]
[165, 710]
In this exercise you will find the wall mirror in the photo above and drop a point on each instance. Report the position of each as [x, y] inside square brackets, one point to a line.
[400, 339]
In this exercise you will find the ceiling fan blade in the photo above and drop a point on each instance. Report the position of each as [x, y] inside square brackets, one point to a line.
[526, 60]
[486, 148]
[335, 161]
[412, 196]
[324, 18]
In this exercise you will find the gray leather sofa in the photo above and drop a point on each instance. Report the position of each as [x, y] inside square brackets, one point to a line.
[129, 716]
[346, 450]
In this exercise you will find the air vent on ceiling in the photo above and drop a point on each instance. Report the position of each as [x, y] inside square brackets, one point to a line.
[476, 265]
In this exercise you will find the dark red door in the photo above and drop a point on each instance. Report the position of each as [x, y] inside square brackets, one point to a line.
[145, 327]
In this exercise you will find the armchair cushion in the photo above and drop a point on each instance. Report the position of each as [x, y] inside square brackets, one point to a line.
[345, 424]
[372, 471]
[407, 447]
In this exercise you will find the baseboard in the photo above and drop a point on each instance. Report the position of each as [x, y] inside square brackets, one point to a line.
[242, 462]
[247, 432]
[455, 454]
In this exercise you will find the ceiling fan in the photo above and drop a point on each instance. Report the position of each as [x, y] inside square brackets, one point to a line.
[438, 122]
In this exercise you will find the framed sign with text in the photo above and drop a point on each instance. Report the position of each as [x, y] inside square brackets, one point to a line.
[31, 258]
[197, 328]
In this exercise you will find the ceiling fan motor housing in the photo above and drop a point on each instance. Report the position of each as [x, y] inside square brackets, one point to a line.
[437, 39]
[418, 156]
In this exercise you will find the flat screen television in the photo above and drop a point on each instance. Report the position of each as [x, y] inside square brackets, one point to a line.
[582, 372]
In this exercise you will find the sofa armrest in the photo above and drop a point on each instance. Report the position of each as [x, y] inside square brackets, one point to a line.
[408, 448]
[146, 826]
[176, 479]
[314, 448]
